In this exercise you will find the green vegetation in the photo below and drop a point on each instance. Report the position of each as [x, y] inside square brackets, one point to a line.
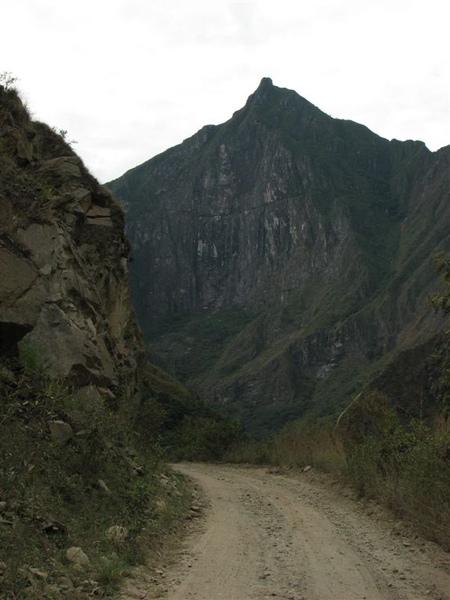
[441, 301]
[367, 215]
[300, 444]
[198, 341]
[87, 468]
[187, 428]
[73, 473]
[83, 461]
[405, 467]
[395, 449]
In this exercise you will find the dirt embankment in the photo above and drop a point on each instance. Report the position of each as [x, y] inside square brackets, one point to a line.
[269, 535]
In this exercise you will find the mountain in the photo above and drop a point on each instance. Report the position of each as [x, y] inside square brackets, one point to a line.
[283, 258]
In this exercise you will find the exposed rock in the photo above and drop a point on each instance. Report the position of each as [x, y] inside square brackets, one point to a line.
[64, 280]
[99, 215]
[102, 485]
[65, 166]
[7, 375]
[65, 582]
[65, 314]
[161, 504]
[24, 148]
[76, 556]
[279, 256]
[60, 432]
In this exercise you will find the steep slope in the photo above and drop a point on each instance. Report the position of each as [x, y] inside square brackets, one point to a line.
[64, 261]
[82, 484]
[279, 257]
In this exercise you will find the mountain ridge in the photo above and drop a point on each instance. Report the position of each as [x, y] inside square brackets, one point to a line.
[312, 228]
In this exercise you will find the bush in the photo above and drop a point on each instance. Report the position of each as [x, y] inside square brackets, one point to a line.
[205, 438]
[408, 468]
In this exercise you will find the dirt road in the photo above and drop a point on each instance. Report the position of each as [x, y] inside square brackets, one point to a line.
[267, 535]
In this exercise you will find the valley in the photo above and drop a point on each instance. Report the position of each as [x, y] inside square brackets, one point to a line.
[283, 259]
[289, 288]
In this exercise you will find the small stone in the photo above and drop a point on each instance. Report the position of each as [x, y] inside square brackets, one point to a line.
[65, 582]
[161, 504]
[77, 556]
[51, 591]
[7, 375]
[29, 591]
[60, 432]
[306, 469]
[102, 485]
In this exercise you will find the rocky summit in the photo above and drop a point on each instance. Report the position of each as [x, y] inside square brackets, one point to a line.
[283, 258]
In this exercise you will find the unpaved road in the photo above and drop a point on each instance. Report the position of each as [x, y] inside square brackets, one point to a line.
[265, 535]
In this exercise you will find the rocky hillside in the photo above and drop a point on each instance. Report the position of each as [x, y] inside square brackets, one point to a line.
[64, 261]
[83, 489]
[281, 258]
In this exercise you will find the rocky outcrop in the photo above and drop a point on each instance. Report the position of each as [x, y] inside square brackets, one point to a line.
[317, 232]
[63, 261]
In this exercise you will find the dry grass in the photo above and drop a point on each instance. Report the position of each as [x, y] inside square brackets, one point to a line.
[404, 468]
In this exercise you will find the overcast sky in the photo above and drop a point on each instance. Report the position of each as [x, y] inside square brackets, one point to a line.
[130, 78]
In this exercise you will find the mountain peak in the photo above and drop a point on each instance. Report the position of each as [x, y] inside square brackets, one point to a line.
[264, 87]
[265, 83]
[263, 92]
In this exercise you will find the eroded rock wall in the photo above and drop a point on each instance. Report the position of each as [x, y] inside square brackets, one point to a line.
[63, 261]
[318, 230]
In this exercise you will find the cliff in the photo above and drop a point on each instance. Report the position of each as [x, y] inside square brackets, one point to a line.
[281, 258]
[64, 295]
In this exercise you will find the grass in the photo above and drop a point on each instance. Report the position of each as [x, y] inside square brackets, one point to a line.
[298, 445]
[57, 495]
[405, 467]
[408, 469]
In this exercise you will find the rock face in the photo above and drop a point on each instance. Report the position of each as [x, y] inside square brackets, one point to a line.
[279, 257]
[63, 261]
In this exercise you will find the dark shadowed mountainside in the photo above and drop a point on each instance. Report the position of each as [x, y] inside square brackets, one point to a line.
[281, 259]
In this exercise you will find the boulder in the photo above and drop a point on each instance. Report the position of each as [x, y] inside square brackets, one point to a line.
[60, 432]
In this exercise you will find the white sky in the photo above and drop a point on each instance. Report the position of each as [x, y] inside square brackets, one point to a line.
[130, 78]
